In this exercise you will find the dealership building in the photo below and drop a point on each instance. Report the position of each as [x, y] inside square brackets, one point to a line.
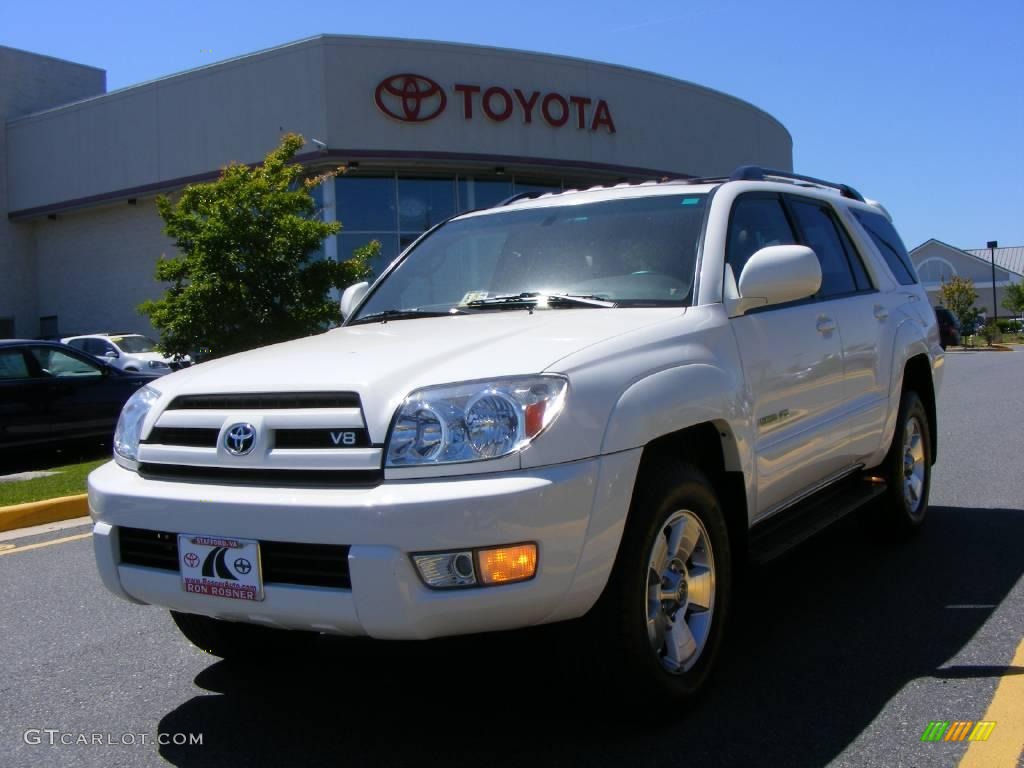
[424, 129]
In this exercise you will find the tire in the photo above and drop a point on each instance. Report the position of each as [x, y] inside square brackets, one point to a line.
[229, 639]
[671, 500]
[907, 470]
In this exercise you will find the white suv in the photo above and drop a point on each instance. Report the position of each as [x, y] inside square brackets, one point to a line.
[128, 351]
[588, 403]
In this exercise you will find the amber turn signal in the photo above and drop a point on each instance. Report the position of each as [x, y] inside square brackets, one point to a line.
[503, 565]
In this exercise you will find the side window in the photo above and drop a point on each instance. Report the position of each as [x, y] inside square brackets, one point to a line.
[92, 346]
[860, 275]
[886, 239]
[820, 234]
[60, 364]
[12, 365]
[755, 223]
[79, 343]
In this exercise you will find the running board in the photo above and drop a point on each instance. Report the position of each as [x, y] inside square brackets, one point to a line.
[783, 531]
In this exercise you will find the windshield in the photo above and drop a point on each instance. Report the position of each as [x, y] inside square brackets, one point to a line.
[134, 344]
[635, 252]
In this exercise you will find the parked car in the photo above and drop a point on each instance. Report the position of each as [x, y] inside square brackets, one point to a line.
[949, 329]
[50, 393]
[128, 351]
[580, 403]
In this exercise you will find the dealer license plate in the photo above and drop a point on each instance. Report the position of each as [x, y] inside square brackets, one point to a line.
[219, 567]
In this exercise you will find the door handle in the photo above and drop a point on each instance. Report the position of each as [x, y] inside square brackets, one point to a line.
[826, 324]
[881, 312]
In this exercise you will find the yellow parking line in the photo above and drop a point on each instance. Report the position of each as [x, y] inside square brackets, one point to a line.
[12, 549]
[1005, 745]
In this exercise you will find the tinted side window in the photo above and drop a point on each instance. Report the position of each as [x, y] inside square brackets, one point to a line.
[756, 223]
[820, 234]
[889, 243]
[92, 346]
[860, 275]
[12, 365]
[60, 364]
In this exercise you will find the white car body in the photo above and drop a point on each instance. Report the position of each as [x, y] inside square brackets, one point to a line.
[834, 370]
[109, 348]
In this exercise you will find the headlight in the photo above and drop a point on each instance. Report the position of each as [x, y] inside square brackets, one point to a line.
[158, 364]
[129, 426]
[473, 421]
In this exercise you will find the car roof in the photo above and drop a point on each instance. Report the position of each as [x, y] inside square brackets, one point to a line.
[33, 342]
[103, 335]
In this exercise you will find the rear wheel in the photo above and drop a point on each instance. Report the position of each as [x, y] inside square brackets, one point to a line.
[667, 601]
[907, 470]
[230, 639]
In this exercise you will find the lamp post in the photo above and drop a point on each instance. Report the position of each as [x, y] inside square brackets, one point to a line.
[992, 245]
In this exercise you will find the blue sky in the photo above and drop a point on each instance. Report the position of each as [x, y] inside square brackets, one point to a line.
[917, 104]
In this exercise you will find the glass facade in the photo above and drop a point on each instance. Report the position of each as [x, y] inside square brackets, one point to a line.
[398, 208]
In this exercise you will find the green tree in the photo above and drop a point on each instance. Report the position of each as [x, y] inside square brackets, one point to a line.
[247, 275]
[958, 295]
[1014, 299]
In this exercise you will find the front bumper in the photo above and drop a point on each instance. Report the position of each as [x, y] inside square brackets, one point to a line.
[574, 512]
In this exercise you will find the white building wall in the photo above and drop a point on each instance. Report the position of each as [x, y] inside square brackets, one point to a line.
[96, 267]
[29, 82]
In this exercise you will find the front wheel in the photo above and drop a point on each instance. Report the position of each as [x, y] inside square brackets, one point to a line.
[667, 601]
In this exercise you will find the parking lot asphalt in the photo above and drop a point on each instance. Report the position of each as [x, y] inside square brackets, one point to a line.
[839, 654]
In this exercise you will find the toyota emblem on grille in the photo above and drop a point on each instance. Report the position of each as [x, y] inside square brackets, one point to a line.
[410, 98]
[240, 439]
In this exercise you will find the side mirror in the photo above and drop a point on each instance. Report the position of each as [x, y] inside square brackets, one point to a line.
[775, 275]
[112, 354]
[351, 297]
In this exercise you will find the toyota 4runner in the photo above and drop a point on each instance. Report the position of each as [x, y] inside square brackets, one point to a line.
[592, 403]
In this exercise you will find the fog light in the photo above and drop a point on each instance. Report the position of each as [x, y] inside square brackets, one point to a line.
[446, 569]
[502, 565]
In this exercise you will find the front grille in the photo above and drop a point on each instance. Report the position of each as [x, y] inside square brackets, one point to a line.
[302, 478]
[321, 438]
[266, 401]
[311, 565]
[177, 365]
[200, 437]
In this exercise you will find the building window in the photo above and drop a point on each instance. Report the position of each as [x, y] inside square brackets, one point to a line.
[6, 327]
[935, 270]
[482, 193]
[396, 209]
[48, 327]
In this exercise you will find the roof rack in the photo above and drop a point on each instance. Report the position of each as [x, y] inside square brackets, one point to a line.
[625, 183]
[757, 173]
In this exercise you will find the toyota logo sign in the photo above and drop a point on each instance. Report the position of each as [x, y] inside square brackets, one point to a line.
[410, 98]
[418, 99]
[240, 439]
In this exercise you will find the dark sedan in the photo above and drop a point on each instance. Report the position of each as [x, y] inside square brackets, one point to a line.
[50, 393]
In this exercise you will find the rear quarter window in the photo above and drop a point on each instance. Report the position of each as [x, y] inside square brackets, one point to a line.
[888, 241]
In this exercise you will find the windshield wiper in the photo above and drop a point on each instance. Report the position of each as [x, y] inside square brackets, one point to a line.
[403, 314]
[530, 300]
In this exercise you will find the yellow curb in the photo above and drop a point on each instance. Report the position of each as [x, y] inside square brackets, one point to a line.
[39, 512]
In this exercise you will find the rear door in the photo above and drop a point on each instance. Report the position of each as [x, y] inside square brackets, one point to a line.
[866, 324]
[793, 363]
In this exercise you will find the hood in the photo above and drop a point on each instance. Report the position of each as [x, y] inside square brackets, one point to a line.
[384, 362]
